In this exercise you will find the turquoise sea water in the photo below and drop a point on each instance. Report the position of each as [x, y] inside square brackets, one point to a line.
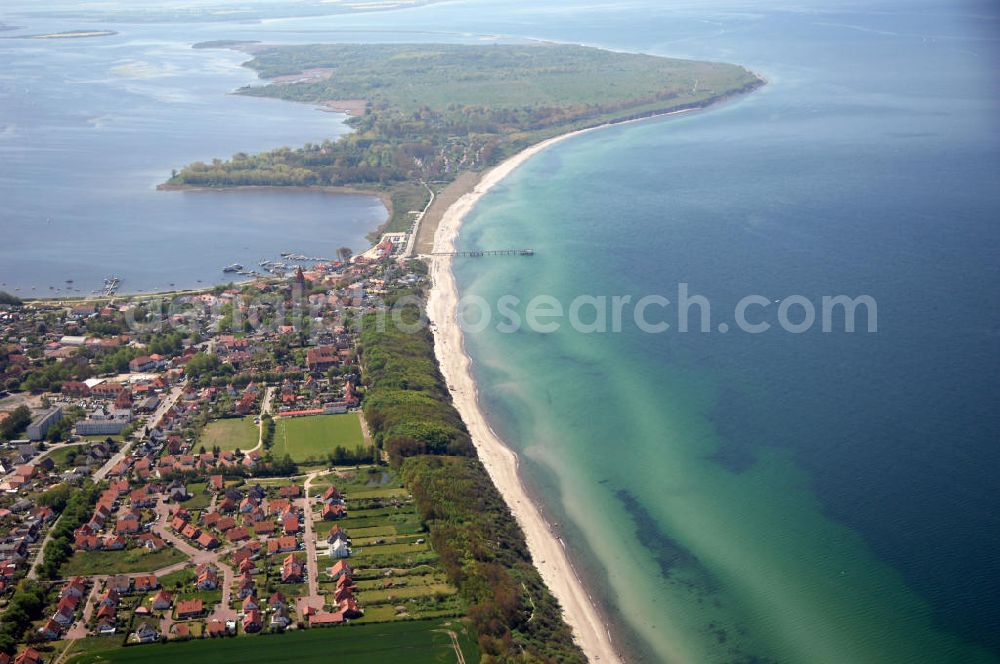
[727, 497]
[791, 497]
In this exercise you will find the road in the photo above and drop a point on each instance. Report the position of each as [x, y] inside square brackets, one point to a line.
[103, 471]
[309, 535]
[265, 409]
[49, 447]
[411, 241]
[364, 429]
[152, 422]
[196, 556]
[459, 655]
[33, 570]
[369, 441]
[79, 629]
[313, 599]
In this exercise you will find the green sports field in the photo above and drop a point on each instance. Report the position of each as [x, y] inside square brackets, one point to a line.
[316, 436]
[415, 642]
[230, 434]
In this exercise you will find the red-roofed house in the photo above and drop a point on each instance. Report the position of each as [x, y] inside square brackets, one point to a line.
[321, 358]
[190, 608]
[290, 524]
[252, 622]
[333, 511]
[162, 601]
[28, 656]
[51, 630]
[237, 534]
[291, 570]
[340, 568]
[326, 619]
[208, 541]
[145, 582]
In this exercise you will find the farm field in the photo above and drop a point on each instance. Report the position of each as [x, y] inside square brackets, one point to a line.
[312, 438]
[230, 434]
[418, 642]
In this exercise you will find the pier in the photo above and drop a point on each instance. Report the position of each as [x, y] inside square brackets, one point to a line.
[487, 252]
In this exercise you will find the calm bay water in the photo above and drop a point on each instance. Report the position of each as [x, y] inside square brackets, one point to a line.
[89, 127]
[728, 497]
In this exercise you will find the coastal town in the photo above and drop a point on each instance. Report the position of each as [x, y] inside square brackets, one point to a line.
[303, 455]
[435, 332]
[205, 472]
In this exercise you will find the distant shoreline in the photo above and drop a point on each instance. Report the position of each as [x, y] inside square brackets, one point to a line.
[69, 34]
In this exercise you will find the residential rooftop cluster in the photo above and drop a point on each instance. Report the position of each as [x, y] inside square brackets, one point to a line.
[168, 442]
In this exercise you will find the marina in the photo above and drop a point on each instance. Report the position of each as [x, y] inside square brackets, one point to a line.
[303, 257]
[111, 285]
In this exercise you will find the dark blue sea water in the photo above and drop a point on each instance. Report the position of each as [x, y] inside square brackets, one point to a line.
[729, 496]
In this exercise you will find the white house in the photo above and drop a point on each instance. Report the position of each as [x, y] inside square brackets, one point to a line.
[280, 618]
[146, 633]
[339, 549]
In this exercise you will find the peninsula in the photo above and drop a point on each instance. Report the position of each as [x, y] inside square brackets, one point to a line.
[442, 113]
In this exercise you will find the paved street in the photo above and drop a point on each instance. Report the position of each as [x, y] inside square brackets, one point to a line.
[165, 405]
[265, 408]
[196, 557]
[314, 599]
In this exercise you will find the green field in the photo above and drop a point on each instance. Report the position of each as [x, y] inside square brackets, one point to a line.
[361, 494]
[411, 77]
[404, 523]
[230, 434]
[100, 438]
[416, 642]
[60, 456]
[178, 579]
[313, 438]
[126, 561]
[385, 549]
[199, 499]
[362, 479]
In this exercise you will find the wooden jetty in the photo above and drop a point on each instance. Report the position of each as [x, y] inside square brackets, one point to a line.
[487, 252]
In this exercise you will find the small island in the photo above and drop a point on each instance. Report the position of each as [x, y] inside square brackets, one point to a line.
[71, 34]
[224, 43]
[436, 113]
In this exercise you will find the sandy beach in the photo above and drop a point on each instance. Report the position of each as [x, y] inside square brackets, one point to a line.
[500, 461]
